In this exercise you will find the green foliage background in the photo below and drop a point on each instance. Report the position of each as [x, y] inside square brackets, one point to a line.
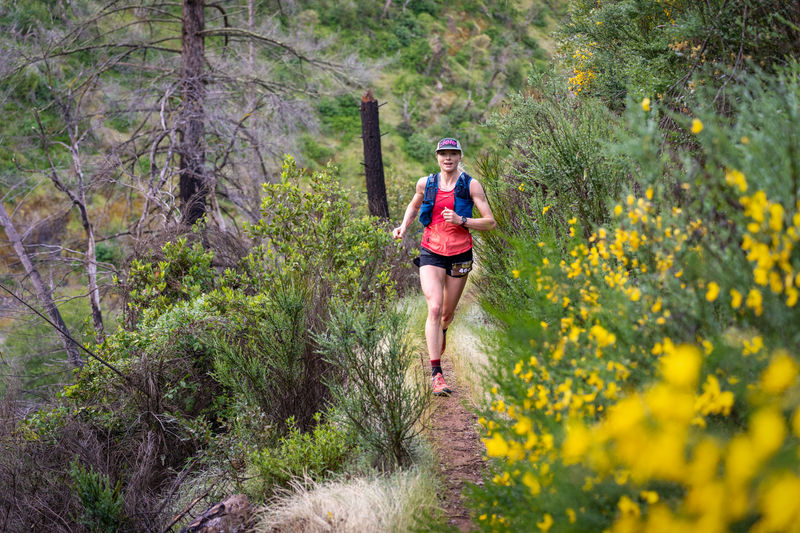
[642, 285]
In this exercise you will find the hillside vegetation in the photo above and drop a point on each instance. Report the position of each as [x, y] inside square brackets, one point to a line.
[642, 284]
[93, 109]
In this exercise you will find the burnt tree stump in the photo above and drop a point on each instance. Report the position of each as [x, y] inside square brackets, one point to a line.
[193, 182]
[373, 160]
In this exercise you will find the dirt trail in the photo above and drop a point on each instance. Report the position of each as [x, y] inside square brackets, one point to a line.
[454, 431]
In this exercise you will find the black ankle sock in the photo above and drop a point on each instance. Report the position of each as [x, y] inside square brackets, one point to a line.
[436, 366]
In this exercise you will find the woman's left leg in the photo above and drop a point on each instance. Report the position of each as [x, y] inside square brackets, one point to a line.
[453, 287]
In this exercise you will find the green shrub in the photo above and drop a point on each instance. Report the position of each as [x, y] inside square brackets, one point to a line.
[667, 329]
[264, 353]
[341, 116]
[102, 503]
[315, 150]
[184, 272]
[418, 56]
[108, 252]
[381, 405]
[314, 234]
[558, 156]
[652, 48]
[558, 168]
[318, 454]
[419, 145]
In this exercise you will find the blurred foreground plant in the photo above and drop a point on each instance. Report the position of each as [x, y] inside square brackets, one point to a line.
[647, 379]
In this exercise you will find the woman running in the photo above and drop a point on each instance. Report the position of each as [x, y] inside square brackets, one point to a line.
[445, 259]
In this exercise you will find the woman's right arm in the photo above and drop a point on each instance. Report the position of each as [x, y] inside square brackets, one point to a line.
[411, 210]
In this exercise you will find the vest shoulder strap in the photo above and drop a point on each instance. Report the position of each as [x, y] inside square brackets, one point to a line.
[465, 179]
[431, 186]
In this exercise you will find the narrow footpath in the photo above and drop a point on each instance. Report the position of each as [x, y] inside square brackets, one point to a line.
[453, 428]
[455, 437]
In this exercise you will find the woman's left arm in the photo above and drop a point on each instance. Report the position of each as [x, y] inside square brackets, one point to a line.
[486, 220]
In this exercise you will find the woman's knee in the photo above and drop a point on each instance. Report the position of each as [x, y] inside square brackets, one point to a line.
[435, 310]
[447, 316]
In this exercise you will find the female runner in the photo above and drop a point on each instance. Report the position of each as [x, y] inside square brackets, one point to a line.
[446, 200]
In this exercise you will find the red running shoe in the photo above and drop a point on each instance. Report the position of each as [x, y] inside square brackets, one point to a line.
[440, 388]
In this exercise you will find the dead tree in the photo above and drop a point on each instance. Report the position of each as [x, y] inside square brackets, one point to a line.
[193, 180]
[373, 160]
[42, 291]
[78, 197]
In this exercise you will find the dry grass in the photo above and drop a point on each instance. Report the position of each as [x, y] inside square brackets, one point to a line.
[392, 504]
[466, 347]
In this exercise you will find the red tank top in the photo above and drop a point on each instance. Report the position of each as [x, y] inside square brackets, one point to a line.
[441, 237]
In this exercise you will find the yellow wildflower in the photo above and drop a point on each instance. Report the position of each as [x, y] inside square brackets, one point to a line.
[779, 504]
[735, 178]
[650, 496]
[515, 273]
[753, 346]
[646, 104]
[767, 431]
[697, 126]
[754, 301]
[576, 443]
[736, 299]
[546, 523]
[496, 446]
[780, 374]
[628, 506]
[602, 336]
[712, 292]
[681, 366]
[530, 481]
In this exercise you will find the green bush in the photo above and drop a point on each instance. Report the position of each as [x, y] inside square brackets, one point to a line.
[418, 56]
[102, 503]
[314, 234]
[315, 150]
[341, 116]
[652, 48]
[419, 145]
[264, 353]
[558, 156]
[318, 454]
[667, 329]
[381, 405]
[106, 252]
[559, 168]
[183, 273]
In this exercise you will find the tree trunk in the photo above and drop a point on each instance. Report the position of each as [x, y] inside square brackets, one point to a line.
[193, 182]
[42, 290]
[251, 25]
[91, 273]
[91, 253]
[373, 160]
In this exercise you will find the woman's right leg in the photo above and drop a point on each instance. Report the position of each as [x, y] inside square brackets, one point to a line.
[432, 280]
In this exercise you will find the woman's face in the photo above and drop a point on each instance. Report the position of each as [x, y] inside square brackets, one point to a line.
[448, 159]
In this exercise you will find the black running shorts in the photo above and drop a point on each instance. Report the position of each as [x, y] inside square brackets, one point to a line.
[456, 265]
